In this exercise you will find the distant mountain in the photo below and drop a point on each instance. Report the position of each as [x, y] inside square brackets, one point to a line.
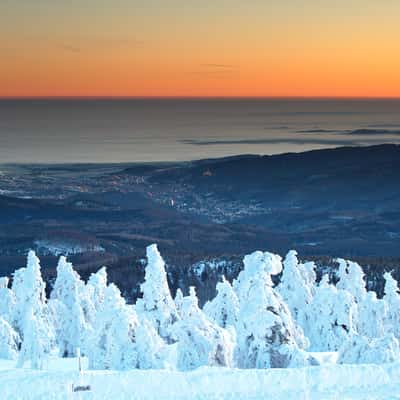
[325, 203]
[326, 178]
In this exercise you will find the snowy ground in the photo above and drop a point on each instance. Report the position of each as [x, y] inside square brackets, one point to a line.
[326, 382]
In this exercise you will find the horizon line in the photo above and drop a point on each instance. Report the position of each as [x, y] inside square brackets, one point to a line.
[72, 97]
[191, 160]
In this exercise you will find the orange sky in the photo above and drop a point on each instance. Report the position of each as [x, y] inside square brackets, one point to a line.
[200, 48]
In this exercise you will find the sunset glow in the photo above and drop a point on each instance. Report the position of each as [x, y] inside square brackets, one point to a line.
[193, 48]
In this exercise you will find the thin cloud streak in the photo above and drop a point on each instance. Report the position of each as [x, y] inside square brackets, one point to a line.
[300, 141]
[86, 44]
[215, 70]
[219, 66]
[71, 49]
[357, 132]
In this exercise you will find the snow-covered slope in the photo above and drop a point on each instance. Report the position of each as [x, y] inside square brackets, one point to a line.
[359, 382]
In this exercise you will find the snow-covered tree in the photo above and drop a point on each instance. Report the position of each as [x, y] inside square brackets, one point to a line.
[297, 287]
[20, 299]
[351, 278]
[7, 301]
[32, 319]
[56, 312]
[157, 304]
[224, 308]
[72, 325]
[371, 316]
[249, 324]
[4, 281]
[359, 349]
[392, 299]
[200, 341]
[263, 263]
[308, 271]
[96, 287]
[29, 289]
[9, 341]
[37, 340]
[178, 301]
[267, 335]
[91, 296]
[332, 315]
[118, 340]
[110, 344]
[150, 349]
[391, 290]
[371, 311]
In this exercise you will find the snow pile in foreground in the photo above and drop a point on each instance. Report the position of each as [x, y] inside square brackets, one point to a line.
[206, 383]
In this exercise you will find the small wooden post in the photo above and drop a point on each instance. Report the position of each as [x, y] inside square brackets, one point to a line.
[78, 354]
[80, 387]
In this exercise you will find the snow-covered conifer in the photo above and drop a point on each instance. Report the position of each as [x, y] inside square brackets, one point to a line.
[118, 340]
[33, 322]
[200, 341]
[332, 316]
[149, 346]
[358, 349]
[96, 287]
[67, 289]
[372, 314]
[9, 341]
[267, 335]
[29, 289]
[37, 340]
[7, 301]
[178, 301]
[392, 299]
[110, 344]
[157, 303]
[297, 287]
[224, 308]
[351, 278]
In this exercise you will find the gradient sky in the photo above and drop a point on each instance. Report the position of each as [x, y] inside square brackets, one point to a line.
[200, 48]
